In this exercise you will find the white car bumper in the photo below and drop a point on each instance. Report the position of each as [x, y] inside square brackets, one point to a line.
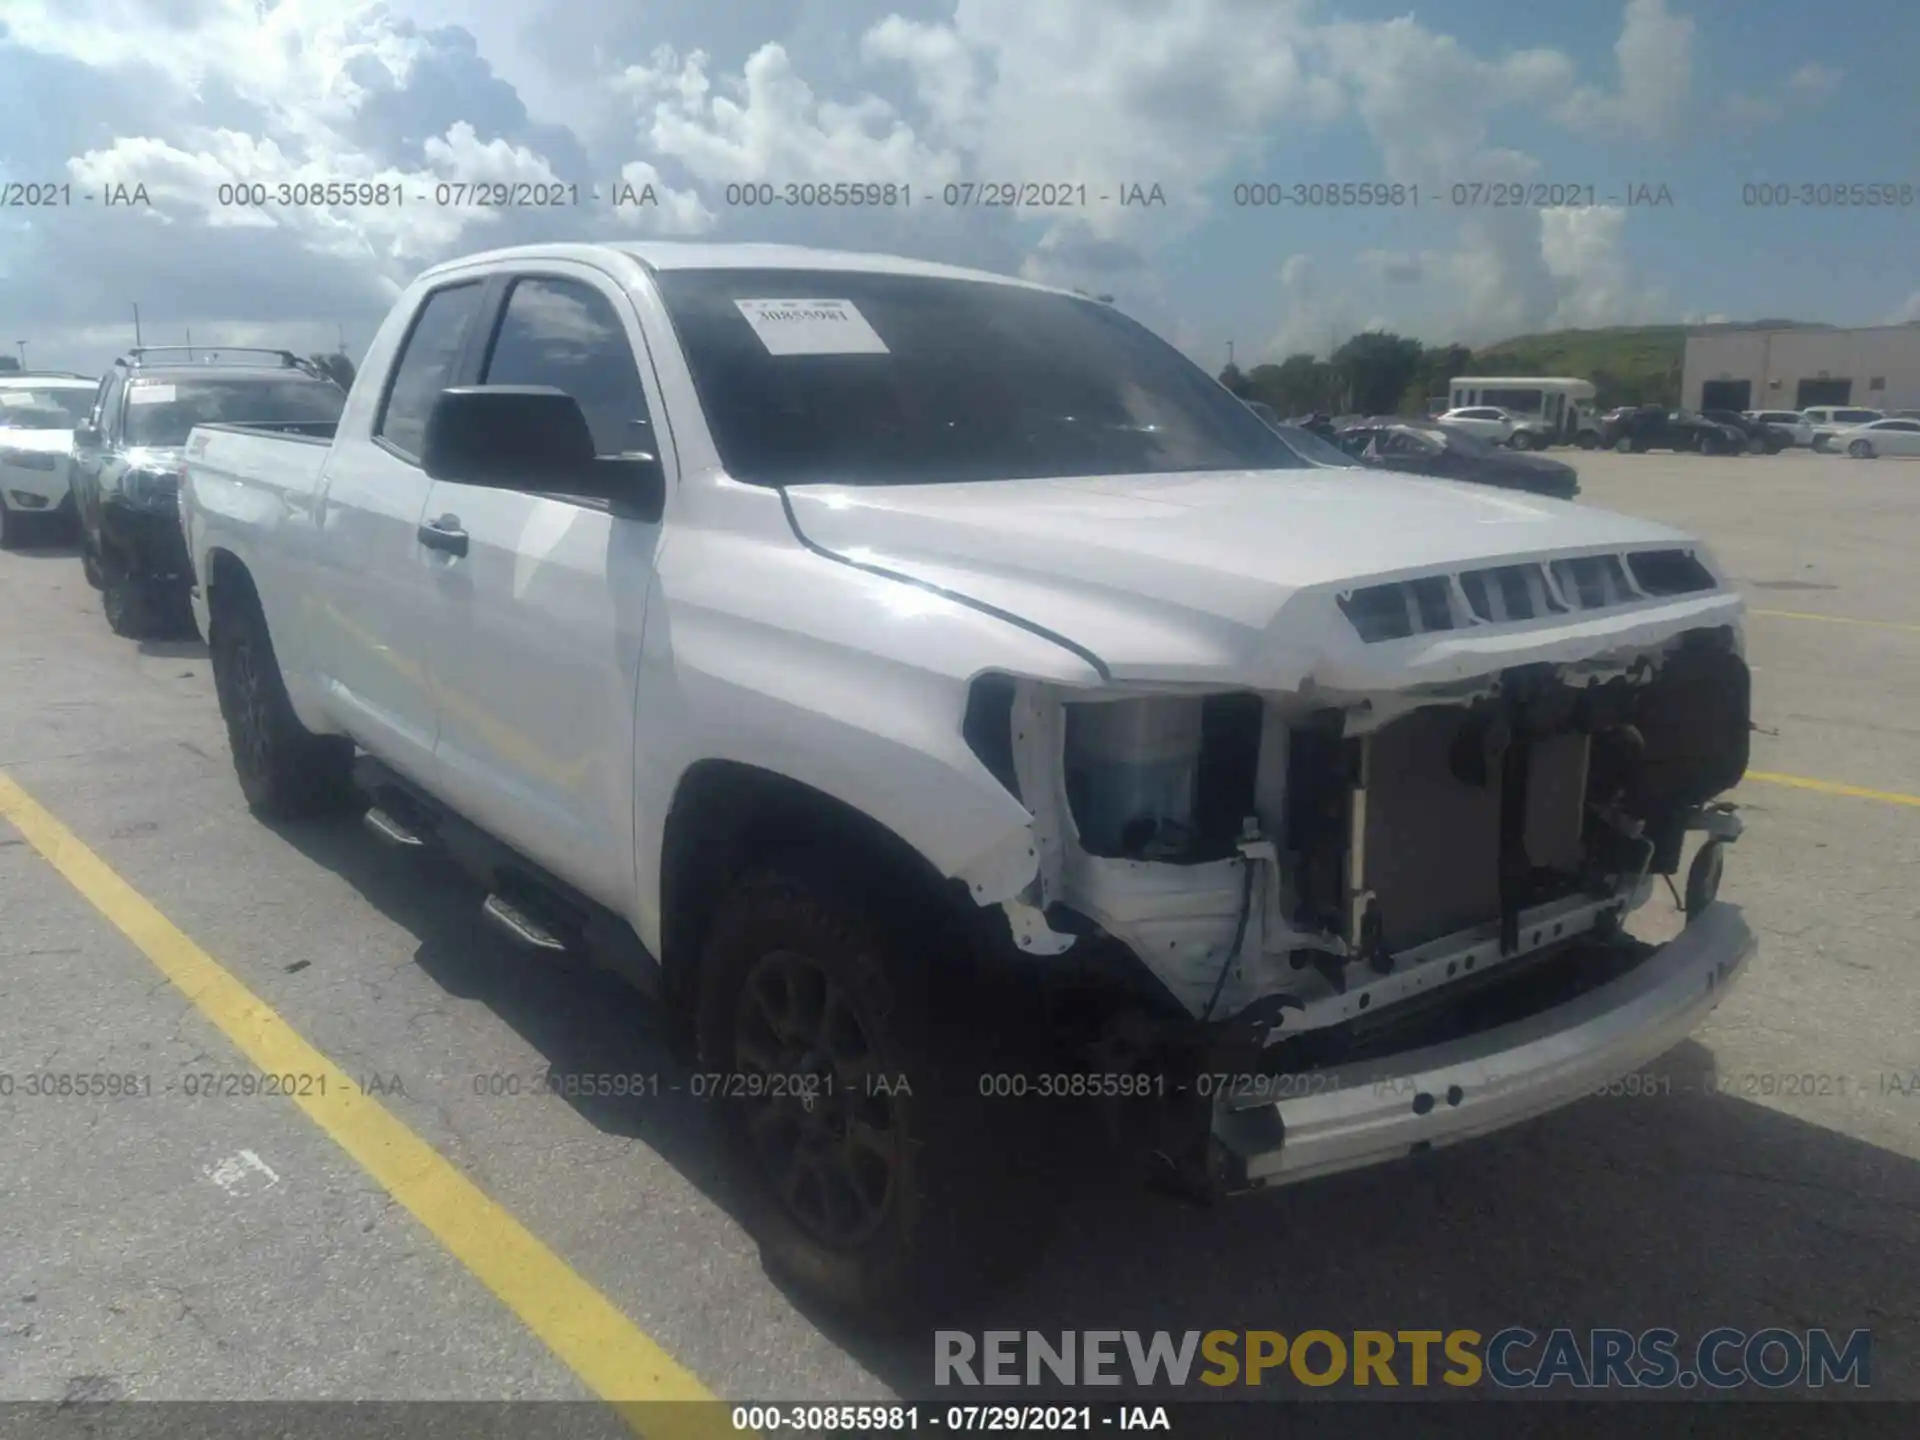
[1397, 1105]
[31, 481]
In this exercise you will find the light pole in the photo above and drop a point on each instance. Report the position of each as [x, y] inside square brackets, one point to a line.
[23, 353]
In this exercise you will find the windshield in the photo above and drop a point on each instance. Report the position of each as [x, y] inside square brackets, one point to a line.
[161, 412]
[1461, 440]
[895, 379]
[54, 407]
[1312, 447]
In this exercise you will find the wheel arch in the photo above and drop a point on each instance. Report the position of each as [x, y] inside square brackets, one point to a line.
[728, 816]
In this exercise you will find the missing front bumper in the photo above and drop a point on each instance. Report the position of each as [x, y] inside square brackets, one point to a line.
[1346, 1117]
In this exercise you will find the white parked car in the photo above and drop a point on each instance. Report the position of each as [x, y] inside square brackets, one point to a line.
[1791, 423]
[1499, 426]
[1877, 437]
[1828, 420]
[37, 414]
[977, 726]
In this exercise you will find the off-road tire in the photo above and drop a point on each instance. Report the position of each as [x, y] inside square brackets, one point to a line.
[964, 1210]
[285, 771]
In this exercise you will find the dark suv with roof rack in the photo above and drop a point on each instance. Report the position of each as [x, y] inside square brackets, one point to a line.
[127, 456]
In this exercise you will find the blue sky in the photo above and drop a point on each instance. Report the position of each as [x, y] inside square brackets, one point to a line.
[1699, 96]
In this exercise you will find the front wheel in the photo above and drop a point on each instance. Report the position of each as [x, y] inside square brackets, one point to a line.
[11, 528]
[126, 602]
[285, 771]
[1586, 440]
[1860, 450]
[874, 1181]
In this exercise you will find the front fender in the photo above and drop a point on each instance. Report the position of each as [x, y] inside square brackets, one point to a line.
[846, 682]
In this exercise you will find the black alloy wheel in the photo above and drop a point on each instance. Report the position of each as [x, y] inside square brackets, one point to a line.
[827, 1143]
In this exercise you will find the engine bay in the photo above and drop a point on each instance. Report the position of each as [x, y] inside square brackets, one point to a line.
[1308, 861]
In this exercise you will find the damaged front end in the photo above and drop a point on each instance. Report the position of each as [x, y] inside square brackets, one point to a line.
[1355, 924]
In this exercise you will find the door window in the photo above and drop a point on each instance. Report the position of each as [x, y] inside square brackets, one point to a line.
[108, 420]
[565, 333]
[428, 360]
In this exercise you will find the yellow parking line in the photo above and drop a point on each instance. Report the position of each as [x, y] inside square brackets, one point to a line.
[1837, 619]
[581, 1326]
[1833, 787]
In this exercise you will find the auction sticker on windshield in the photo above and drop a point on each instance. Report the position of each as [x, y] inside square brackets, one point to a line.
[151, 393]
[19, 399]
[812, 327]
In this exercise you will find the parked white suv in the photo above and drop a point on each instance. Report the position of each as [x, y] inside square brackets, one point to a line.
[982, 731]
[38, 411]
[1828, 420]
[1499, 426]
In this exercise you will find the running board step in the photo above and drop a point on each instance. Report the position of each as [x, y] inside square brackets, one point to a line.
[520, 925]
[392, 830]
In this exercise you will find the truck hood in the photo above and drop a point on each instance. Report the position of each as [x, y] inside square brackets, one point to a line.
[1232, 577]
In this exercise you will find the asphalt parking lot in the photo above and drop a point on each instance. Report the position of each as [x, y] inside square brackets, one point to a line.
[179, 1244]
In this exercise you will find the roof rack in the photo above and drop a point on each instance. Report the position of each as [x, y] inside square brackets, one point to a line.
[46, 375]
[135, 358]
[137, 355]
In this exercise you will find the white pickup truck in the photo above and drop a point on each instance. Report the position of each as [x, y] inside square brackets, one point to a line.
[965, 714]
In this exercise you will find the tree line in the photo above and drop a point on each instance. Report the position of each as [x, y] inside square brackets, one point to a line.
[1380, 373]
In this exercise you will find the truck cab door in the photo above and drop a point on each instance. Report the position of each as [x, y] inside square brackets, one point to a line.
[538, 601]
[371, 590]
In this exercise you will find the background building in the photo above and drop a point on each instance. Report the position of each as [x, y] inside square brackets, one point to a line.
[1792, 369]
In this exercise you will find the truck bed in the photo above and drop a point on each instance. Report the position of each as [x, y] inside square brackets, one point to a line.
[283, 458]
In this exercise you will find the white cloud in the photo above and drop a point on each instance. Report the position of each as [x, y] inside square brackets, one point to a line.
[1815, 80]
[768, 124]
[1908, 313]
[1806, 88]
[1654, 55]
[1186, 95]
[1582, 248]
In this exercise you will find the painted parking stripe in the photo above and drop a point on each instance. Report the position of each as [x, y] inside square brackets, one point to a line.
[1838, 620]
[614, 1358]
[1833, 787]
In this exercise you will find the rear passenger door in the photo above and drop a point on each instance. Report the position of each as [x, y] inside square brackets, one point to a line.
[537, 627]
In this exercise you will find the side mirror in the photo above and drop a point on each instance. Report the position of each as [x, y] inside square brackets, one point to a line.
[86, 433]
[534, 439]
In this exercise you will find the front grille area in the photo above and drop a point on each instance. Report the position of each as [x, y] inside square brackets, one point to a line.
[1507, 594]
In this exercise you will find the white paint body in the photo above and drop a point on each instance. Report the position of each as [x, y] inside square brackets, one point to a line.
[35, 461]
[1491, 423]
[1880, 437]
[1790, 423]
[557, 684]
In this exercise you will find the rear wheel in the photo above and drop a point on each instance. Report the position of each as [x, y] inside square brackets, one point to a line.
[285, 770]
[874, 1180]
